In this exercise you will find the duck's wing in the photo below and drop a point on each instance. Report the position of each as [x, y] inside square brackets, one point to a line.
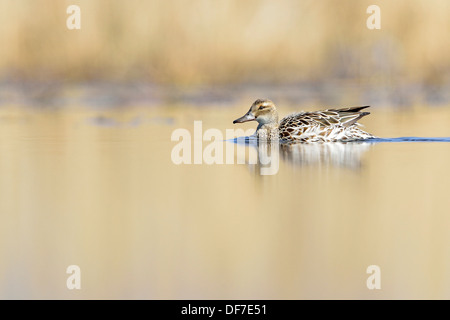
[319, 123]
[346, 116]
[329, 117]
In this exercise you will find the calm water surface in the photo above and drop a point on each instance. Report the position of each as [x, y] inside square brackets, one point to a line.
[98, 189]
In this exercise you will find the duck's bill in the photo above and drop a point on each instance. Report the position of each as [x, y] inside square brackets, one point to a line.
[247, 117]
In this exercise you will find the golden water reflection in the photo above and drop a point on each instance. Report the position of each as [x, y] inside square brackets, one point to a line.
[109, 199]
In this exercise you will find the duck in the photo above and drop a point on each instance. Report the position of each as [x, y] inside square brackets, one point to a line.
[330, 125]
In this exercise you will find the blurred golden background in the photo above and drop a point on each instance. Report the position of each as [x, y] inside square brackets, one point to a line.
[204, 42]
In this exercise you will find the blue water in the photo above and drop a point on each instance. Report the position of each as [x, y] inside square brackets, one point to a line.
[411, 139]
[247, 140]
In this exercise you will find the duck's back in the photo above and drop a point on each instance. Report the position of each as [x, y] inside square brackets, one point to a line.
[324, 126]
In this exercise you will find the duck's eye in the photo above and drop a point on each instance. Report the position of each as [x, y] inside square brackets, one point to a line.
[261, 107]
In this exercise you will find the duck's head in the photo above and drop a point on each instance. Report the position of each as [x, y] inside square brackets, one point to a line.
[263, 111]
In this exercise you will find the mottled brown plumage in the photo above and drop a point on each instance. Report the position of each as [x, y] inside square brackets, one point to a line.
[318, 126]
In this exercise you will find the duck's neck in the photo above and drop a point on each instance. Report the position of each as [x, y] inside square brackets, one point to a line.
[267, 131]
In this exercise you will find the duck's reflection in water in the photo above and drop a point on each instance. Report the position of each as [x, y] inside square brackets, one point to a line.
[265, 156]
[260, 155]
[337, 154]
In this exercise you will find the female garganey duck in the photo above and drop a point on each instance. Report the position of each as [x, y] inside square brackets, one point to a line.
[318, 126]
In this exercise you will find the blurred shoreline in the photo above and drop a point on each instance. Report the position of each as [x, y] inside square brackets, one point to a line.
[108, 94]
